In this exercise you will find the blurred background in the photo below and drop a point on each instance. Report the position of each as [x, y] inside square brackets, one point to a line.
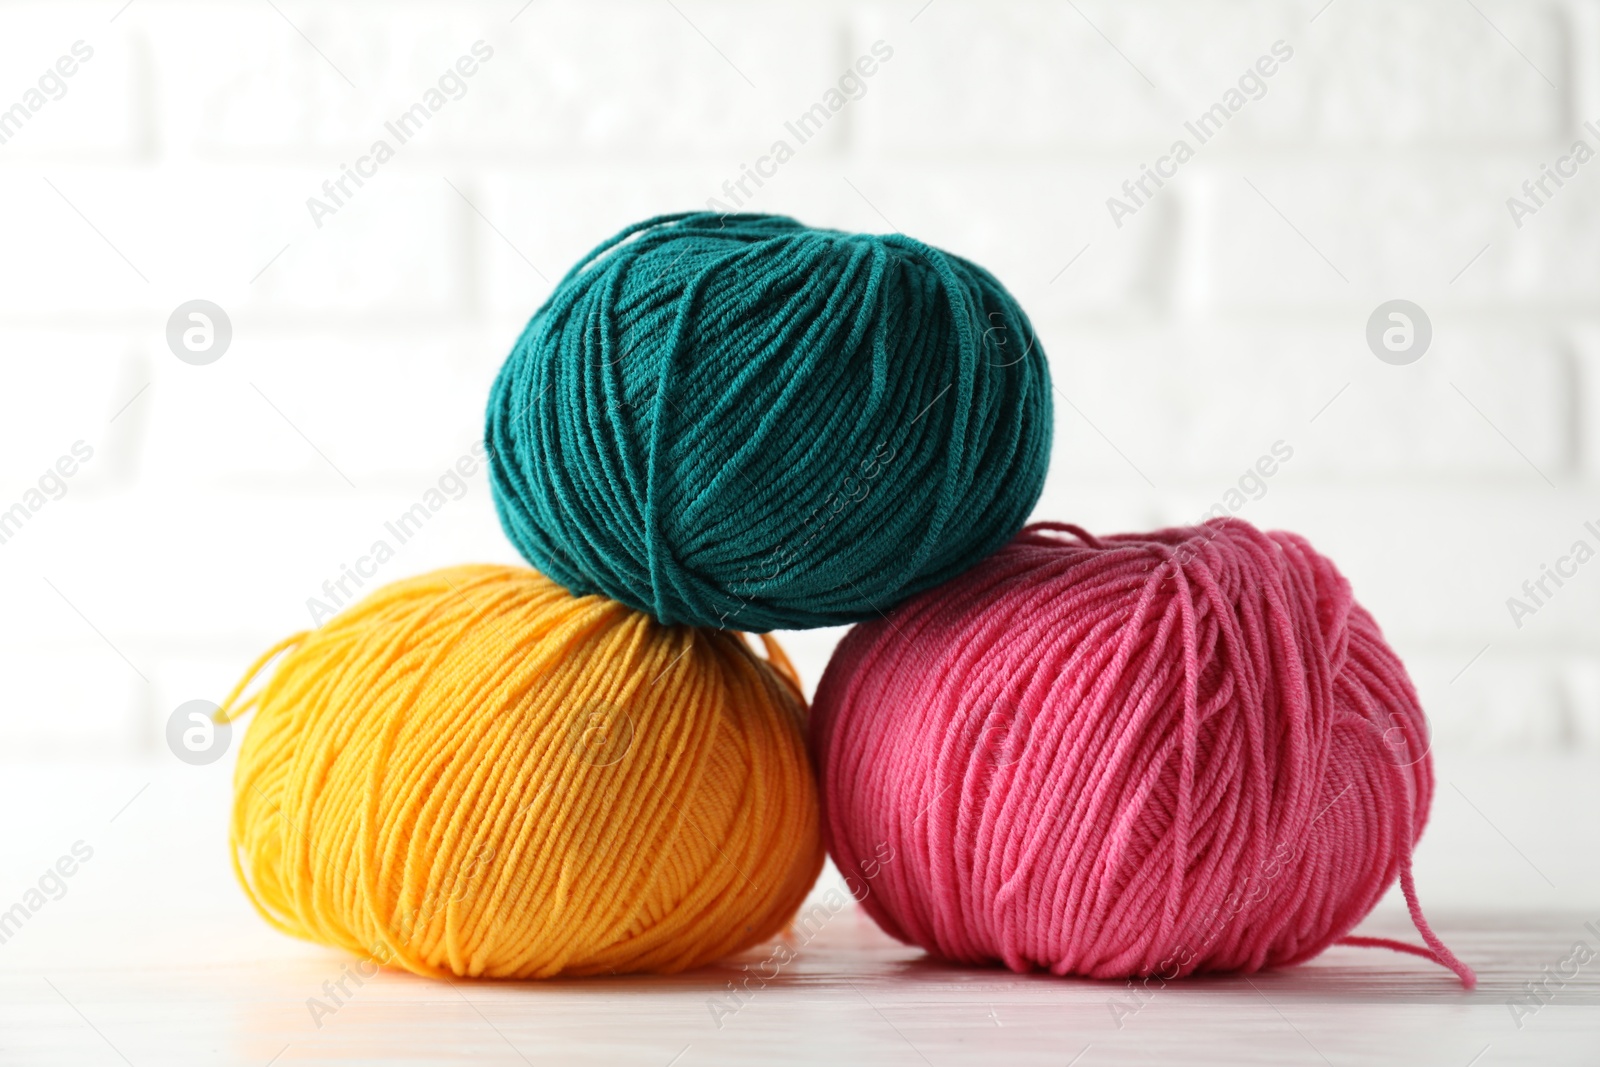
[187, 486]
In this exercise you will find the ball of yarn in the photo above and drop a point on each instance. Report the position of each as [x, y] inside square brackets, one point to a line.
[741, 421]
[1143, 755]
[475, 773]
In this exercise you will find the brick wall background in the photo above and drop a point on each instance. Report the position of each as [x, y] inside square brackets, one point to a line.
[1225, 315]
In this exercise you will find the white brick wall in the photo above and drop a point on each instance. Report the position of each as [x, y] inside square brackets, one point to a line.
[1223, 316]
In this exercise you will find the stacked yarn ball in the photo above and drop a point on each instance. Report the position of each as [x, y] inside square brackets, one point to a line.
[741, 421]
[475, 773]
[1154, 754]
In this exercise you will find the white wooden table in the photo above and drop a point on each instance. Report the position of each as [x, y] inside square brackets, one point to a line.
[152, 958]
[851, 996]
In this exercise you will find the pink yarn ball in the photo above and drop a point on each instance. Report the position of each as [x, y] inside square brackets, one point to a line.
[1147, 754]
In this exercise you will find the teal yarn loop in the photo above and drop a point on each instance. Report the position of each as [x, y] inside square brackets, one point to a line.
[740, 421]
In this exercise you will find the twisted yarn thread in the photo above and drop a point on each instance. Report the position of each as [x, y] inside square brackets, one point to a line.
[741, 421]
[1147, 754]
[474, 773]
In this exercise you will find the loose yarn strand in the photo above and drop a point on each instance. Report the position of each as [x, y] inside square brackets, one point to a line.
[232, 707]
[1436, 949]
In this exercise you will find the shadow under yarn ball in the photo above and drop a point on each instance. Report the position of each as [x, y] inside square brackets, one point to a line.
[741, 421]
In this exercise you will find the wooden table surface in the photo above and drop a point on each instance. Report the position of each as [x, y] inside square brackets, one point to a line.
[151, 957]
[851, 996]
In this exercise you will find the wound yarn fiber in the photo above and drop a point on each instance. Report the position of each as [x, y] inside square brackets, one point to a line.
[474, 773]
[741, 421]
[1138, 755]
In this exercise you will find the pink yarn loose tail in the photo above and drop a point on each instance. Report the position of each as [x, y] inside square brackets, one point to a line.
[1436, 950]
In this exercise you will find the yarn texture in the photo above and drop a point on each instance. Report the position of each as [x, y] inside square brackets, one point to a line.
[474, 773]
[739, 421]
[1139, 755]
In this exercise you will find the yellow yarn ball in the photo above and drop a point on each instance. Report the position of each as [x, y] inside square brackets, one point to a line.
[475, 773]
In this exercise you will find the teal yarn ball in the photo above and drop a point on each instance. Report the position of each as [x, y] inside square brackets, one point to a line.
[740, 421]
